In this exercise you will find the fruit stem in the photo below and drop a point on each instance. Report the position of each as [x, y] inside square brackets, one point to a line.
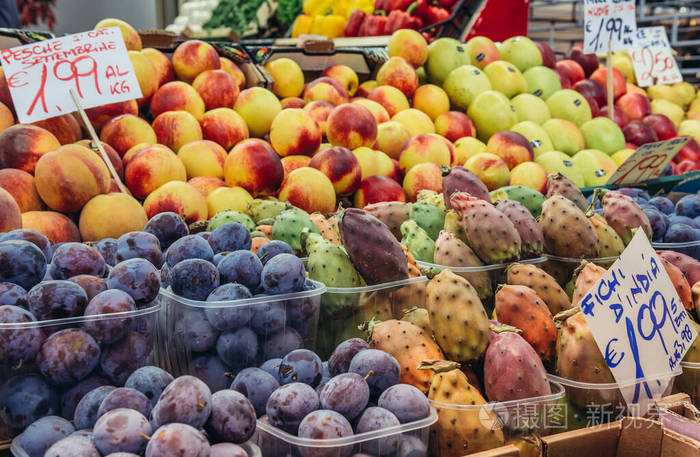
[564, 315]
[438, 366]
[502, 328]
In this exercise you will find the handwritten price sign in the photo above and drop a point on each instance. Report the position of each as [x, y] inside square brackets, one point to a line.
[609, 20]
[653, 58]
[647, 162]
[639, 322]
[94, 64]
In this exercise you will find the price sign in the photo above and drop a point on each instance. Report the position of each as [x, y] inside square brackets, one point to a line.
[639, 322]
[609, 20]
[647, 162]
[653, 58]
[94, 64]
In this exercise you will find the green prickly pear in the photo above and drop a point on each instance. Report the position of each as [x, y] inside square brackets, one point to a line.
[431, 196]
[288, 226]
[529, 197]
[417, 241]
[260, 209]
[453, 252]
[227, 216]
[428, 217]
[453, 223]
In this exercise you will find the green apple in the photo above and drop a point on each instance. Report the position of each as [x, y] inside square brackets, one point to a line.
[506, 78]
[463, 84]
[491, 112]
[604, 134]
[536, 135]
[594, 172]
[422, 77]
[542, 81]
[559, 162]
[530, 107]
[570, 105]
[444, 55]
[565, 135]
[521, 51]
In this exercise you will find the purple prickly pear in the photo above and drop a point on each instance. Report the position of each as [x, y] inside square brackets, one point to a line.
[567, 231]
[512, 368]
[531, 238]
[392, 214]
[623, 214]
[453, 252]
[459, 179]
[557, 183]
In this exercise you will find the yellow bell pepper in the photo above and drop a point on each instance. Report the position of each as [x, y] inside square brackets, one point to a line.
[302, 25]
[363, 5]
[330, 26]
[314, 7]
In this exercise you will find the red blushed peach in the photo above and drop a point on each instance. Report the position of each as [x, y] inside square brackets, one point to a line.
[380, 114]
[530, 174]
[177, 96]
[150, 168]
[424, 176]
[254, 166]
[145, 74]
[10, 216]
[391, 137]
[635, 106]
[206, 184]
[415, 121]
[161, 64]
[5, 96]
[410, 45]
[291, 163]
[111, 216]
[326, 89]
[65, 128]
[376, 189]
[454, 125]
[217, 88]
[345, 76]
[125, 131]
[203, 158]
[225, 127]
[114, 188]
[319, 111]
[232, 69]
[21, 146]
[398, 73]
[424, 148]
[292, 102]
[386, 166]
[295, 132]
[70, 176]
[351, 125]
[490, 169]
[449, 145]
[193, 57]
[7, 119]
[512, 147]
[55, 226]
[176, 128]
[100, 115]
[365, 88]
[392, 99]
[619, 81]
[111, 154]
[178, 197]
[20, 185]
[131, 37]
[258, 107]
[228, 198]
[309, 189]
[342, 168]
[129, 154]
[432, 100]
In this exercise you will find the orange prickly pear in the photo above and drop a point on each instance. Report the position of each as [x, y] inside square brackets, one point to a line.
[325, 227]
[680, 283]
[544, 285]
[586, 275]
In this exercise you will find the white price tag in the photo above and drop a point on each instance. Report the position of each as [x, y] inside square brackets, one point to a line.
[653, 58]
[609, 20]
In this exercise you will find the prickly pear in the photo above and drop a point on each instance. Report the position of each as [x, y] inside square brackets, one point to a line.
[452, 252]
[325, 227]
[431, 196]
[688, 265]
[459, 179]
[544, 285]
[557, 183]
[428, 217]
[529, 197]
[609, 242]
[567, 231]
[288, 226]
[224, 217]
[453, 223]
[392, 214]
[586, 275]
[623, 214]
[419, 317]
[531, 238]
[260, 209]
[680, 283]
[417, 241]
[266, 229]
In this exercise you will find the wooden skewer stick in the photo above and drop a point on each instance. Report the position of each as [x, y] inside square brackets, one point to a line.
[609, 80]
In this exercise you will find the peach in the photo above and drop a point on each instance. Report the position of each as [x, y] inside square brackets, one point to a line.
[512, 147]
[619, 81]
[365, 88]
[454, 125]
[5, 96]
[202, 158]
[144, 71]
[217, 88]
[125, 131]
[380, 114]
[177, 96]
[530, 174]
[415, 121]
[424, 148]
[254, 166]
[466, 147]
[392, 99]
[409, 45]
[447, 142]
[386, 166]
[176, 128]
[634, 89]
[351, 125]
[10, 215]
[398, 73]
[100, 115]
[295, 132]
[55, 226]
[21, 146]
[111, 155]
[258, 107]
[482, 51]
[377, 189]
[225, 127]
[342, 168]
[226, 198]
[636, 106]
[424, 176]
[70, 176]
[345, 76]
[432, 100]
[64, 127]
[152, 167]
[180, 198]
[206, 184]
[292, 102]
[20, 185]
[490, 169]
[309, 189]
[571, 69]
[287, 76]
[128, 155]
[327, 89]
[291, 163]
[161, 64]
[369, 161]
[232, 69]
[319, 111]
[193, 57]
[111, 216]
[131, 37]
[391, 137]
[7, 119]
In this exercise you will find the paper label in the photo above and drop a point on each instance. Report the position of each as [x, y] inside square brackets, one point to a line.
[609, 20]
[647, 162]
[653, 58]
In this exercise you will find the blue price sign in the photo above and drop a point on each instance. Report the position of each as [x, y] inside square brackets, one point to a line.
[609, 20]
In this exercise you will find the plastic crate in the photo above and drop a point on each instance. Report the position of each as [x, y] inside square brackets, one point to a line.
[690, 248]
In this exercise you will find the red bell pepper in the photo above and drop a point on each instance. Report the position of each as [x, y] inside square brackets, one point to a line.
[374, 24]
[403, 20]
[380, 5]
[436, 14]
[421, 9]
[401, 5]
[352, 27]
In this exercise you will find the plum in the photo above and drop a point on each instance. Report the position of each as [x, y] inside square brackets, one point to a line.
[168, 227]
[43, 433]
[150, 381]
[289, 404]
[186, 400]
[257, 385]
[406, 402]
[339, 361]
[232, 416]
[346, 393]
[121, 430]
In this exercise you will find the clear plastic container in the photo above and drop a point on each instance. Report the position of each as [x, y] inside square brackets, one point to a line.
[562, 268]
[276, 443]
[689, 381]
[492, 424]
[215, 340]
[116, 361]
[690, 248]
